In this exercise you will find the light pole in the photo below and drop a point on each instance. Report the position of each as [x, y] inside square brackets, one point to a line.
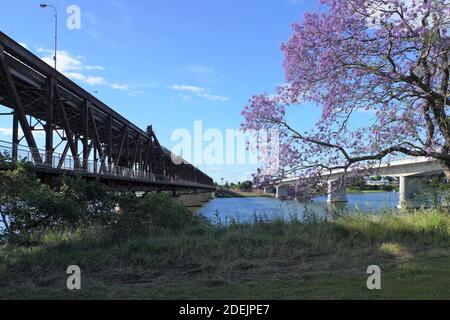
[45, 5]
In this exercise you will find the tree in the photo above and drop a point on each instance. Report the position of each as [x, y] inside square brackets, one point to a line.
[387, 58]
[246, 185]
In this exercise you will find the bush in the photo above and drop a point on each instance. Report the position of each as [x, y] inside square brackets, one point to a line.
[245, 186]
[153, 211]
[27, 206]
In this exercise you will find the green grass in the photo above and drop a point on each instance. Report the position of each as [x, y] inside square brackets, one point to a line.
[320, 260]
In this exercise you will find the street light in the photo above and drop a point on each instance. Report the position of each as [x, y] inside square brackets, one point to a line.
[43, 6]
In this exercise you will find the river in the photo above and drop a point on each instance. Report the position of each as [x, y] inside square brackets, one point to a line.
[244, 210]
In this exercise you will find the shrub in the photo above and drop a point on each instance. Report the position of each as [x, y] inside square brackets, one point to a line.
[96, 202]
[26, 204]
[153, 211]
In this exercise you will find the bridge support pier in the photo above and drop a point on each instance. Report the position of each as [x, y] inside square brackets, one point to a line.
[410, 188]
[195, 199]
[337, 191]
[190, 200]
[282, 191]
[203, 197]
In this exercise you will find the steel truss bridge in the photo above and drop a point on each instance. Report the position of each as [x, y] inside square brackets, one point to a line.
[96, 142]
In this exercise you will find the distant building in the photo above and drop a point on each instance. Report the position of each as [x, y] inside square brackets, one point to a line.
[382, 182]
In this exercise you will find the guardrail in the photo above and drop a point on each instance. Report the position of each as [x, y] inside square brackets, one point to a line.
[25, 154]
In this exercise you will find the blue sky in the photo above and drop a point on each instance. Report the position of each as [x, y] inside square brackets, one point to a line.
[168, 63]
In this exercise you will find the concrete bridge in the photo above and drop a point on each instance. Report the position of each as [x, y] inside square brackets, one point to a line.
[410, 172]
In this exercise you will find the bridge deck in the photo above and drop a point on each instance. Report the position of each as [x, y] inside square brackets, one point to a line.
[402, 168]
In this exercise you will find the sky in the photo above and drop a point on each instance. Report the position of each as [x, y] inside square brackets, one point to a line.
[168, 63]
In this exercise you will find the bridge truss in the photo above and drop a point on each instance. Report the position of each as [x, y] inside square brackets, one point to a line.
[95, 140]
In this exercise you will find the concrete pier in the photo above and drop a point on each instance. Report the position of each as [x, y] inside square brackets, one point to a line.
[410, 191]
[282, 191]
[409, 171]
[337, 191]
[195, 199]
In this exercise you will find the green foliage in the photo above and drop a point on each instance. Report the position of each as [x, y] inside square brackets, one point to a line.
[153, 211]
[26, 204]
[268, 260]
[93, 203]
[247, 185]
[28, 207]
[356, 182]
[435, 193]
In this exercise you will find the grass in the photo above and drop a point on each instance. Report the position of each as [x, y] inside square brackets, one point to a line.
[278, 260]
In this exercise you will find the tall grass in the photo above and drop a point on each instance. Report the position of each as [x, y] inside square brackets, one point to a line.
[223, 254]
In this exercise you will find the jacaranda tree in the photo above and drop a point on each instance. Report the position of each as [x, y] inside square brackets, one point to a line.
[386, 60]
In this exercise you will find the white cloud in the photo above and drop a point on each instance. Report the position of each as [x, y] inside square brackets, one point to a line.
[187, 88]
[23, 44]
[90, 80]
[198, 92]
[116, 86]
[74, 68]
[94, 68]
[6, 131]
[201, 68]
[213, 97]
[93, 81]
[66, 62]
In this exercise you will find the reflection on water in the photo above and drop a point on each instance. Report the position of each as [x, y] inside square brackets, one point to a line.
[245, 209]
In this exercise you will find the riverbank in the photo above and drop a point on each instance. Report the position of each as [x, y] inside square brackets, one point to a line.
[278, 260]
[356, 191]
[235, 193]
[260, 193]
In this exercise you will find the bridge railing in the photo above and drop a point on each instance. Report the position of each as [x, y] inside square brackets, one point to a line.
[67, 163]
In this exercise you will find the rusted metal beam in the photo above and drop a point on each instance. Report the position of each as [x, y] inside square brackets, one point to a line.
[127, 149]
[49, 122]
[97, 142]
[110, 141]
[18, 107]
[122, 143]
[95, 160]
[137, 148]
[63, 156]
[86, 149]
[69, 134]
[147, 155]
[15, 137]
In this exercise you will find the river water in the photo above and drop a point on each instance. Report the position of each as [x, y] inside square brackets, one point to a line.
[225, 210]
